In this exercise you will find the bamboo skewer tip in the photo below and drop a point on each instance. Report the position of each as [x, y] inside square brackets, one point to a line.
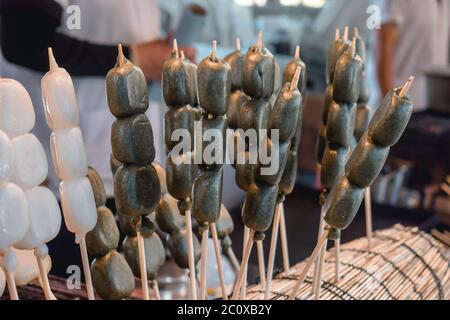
[52, 62]
[260, 41]
[345, 37]
[175, 48]
[214, 50]
[182, 55]
[238, 44]
[297, 53]
[120, 56]
[406, 87]
[337, 34]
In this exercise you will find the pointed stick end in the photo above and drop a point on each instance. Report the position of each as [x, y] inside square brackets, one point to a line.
[238, 44]
[345, 33]
[175, 48]
[182, 56]
[337, 34]
[52, 62]
[260, 41]
[214, 50]
[297, 53]
[406, 87]
[120, 56]
[295, 79]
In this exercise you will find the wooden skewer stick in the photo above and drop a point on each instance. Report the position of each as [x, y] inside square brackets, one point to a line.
[297, 53]
[238, 44]
[368, 213]
[44, 277]
[219, 260]
[259, 44]
[320, 244]
[337, 34]
[284, 241]
[234, 261]
[345, 36]
[11, 283]
[406, 87]
[143, 266]
[191, 258]
[156, 289]
[316, 268]
[214, 50]
[261, 266]
[244, 264]
[320, 262]
[54, 65]
[272, 251]
[203, 264]
[337, 262]
[81, 240]
[175, 48]
[244, 285]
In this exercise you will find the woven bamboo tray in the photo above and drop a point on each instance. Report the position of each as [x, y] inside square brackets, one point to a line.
[404, 264]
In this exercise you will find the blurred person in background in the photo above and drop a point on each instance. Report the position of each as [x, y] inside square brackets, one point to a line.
[29, 27]
[224, 20]
[414, 38]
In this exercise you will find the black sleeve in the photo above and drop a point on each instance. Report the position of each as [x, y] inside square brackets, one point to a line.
[29, 27]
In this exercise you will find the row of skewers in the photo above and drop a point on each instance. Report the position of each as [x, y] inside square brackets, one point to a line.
[235, 92]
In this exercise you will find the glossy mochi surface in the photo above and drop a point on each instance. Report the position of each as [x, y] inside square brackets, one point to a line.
[6, 157]
[78, 204]
[30, 165]
[13, 215]
[44, 216]
[68, 153]
[16, 109]
[59, 99]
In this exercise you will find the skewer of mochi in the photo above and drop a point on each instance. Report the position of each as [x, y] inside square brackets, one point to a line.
[365, 164]
[29, 170]
[214, 88]
[137, 188]
[14, 219]
[340, 113]
[258, 82]
[179, 85]
[69, 159]
[296, 70]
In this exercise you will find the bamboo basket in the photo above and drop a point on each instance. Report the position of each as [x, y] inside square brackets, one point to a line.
[405, 264]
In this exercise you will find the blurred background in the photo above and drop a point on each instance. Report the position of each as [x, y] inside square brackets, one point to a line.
[403, 37]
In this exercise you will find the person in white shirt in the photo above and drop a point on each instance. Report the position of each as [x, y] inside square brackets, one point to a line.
[414, 38]
[87, 53]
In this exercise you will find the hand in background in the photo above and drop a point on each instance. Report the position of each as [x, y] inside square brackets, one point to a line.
[151, 56]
